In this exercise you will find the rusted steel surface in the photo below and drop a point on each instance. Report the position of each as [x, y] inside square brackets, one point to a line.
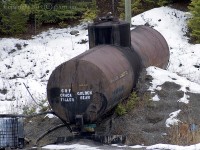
[151, 46]
[91, 83]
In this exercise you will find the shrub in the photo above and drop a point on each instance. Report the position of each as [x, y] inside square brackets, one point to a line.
[132, 101]
[44, 106]
[120, 110]
[29, 110]
[194, 22]
[124, 108]
[91, 13]
[62, 24]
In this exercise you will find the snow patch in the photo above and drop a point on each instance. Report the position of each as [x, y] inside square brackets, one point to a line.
[172, 120]
[73, 146]
[161, 76]
[32, 61]
[184, 99]
[155, 98]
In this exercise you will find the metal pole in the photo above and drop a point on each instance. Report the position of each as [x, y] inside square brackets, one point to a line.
[113, 7]
[35, 16]
[128, 11]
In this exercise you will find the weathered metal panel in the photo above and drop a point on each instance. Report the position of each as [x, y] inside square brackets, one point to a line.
[151, 46]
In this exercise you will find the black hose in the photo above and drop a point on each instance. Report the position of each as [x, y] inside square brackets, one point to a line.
[49, 131]
[38, 114]
[30, 94]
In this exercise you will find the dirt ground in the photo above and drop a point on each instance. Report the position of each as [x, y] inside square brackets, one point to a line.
[145, 124]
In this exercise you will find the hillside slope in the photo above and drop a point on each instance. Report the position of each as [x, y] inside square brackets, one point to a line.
[175, 90]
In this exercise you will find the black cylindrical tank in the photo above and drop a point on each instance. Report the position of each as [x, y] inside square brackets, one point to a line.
[92, 83]
[151, 46]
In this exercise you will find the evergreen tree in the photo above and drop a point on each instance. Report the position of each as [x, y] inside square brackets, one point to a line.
[13, 16]
[57, 11]
[194, 22]
[91, 12]
[139, 6]
[163, 2]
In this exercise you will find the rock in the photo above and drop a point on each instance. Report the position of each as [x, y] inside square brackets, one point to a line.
[83, 41]
[12, 51]
[18, 46]
[3, 91]
[74, 32]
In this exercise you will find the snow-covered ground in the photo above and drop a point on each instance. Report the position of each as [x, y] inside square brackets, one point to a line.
[77, 146]
[30, 62]
[172, 24]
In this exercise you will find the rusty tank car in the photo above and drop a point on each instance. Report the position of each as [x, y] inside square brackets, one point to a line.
[83, 89]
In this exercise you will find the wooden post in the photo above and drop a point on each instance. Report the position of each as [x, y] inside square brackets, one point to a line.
[128, 11]
[113, 7]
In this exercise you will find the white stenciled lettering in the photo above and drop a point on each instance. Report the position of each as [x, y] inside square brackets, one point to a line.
[84, 93]
[66, 95]
[67, 99]
[85, 97]
[80, 93]
[88, 93]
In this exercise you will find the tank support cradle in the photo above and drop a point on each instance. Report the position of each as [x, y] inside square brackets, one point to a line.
[87, 131]
[105, 139]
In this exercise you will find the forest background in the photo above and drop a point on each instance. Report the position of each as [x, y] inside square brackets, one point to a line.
[23, 18]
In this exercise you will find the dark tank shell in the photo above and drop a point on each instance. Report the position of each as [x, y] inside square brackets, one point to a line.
[151, 46]
[91, 84]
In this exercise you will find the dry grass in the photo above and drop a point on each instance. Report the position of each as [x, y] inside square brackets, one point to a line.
[182, 134]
